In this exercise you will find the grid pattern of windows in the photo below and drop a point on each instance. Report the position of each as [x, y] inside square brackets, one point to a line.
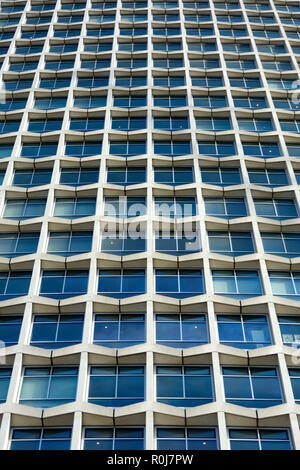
[149, 235]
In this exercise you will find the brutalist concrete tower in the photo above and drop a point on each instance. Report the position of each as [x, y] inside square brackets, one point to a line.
[150, 224]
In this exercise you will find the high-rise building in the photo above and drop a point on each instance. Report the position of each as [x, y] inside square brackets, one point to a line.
[150, 224]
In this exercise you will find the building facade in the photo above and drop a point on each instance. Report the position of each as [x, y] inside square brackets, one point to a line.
[150, 224]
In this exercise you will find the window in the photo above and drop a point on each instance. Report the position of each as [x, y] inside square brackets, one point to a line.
[131, 63]
[10, 326]
[266, 177]
[126, 176]
[216, 148]
[5, 150]
[285, 283]
[69, 19]
[123, 243]
[289, 125]
[121, 283]
[116, 385]
[95, 64]
[94, 82]
[179, 283]
[169, 81]
[8, 126]
[38, 150]
[276, 208]
[177, 243]
[86, 124]
[13, 85]
[174, 176]
[202, 46]
[179, 330]
[207, 82]
[228, 208]
[233, 32]
[20, 209]
[251, 103]
[59, 64]
[241, 64]
[56, 331]
[192, 438]
[12, 104]
[294, 373]
[279, 65]
[133, 32]
[244, 331]
[132, 46]
[119, 330]
[14, 284]
[128, 148]
[34, 34]
[73, 208]
[213, 124]
[130, 101]
[79, 176]
[5, 373]
[175, 207]
[161, 4]
[237, 283]
[120, 438]
[82, 149]
[259, 439]
[64, 283]
[285, 103]
[31, 178]
[221, 176]
[44, 125]
[18, 243]
[271, 49]
[41, 438]
[124, 207]
[167, 31]
[72, 6]
[290, 330]
[245, 82]
[53, 83]
[255, 125]
[36, 20]
[261, 149]
[201, 32]
[63, 48]
[204, 63]
[172, 148]
[23, 66]
[196, 5]
[99, 32]
[167, 46]
[24, 50]
[208, 101]
[230, 18]
[171, 123]
[168, 63]
[131, 81]
[282, 244]
[293, 150]
[231, 243]
[237, 47]
[128, 124]
[92, 101]
[45, 387]
[252, 387]
[69, 243]
[184, 386]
